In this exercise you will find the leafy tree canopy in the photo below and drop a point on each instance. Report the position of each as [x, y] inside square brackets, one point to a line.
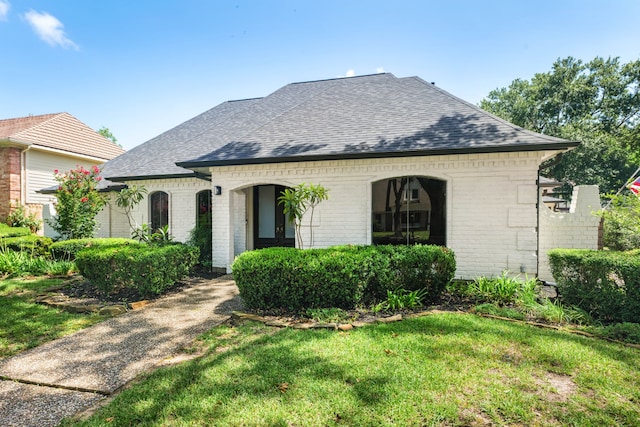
[596, 103]
[104, 131]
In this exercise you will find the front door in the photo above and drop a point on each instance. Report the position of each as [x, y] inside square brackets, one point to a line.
[270, 224]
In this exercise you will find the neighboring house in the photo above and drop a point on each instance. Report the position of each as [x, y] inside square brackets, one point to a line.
[403, 161]
[32, 147]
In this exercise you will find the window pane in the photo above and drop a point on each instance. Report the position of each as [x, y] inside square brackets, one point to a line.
[203, 206]
[159, 210]
[266, 212]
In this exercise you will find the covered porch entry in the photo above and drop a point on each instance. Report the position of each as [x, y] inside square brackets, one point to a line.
[267, 225]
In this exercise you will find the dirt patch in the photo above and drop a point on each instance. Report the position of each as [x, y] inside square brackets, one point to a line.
[557, 388]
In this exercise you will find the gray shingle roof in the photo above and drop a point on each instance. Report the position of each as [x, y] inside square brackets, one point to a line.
[370, 116]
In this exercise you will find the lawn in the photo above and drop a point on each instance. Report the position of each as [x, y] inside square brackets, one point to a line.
[448, 369]
[25, 324]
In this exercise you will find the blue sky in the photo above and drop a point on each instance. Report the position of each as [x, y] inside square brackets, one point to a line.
[142, 67]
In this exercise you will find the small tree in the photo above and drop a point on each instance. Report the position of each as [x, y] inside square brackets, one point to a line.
[621, 228]
[127, 199]
[297, 201]
[78, 203]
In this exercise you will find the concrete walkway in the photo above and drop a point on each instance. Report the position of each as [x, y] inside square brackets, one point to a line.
[40, 387]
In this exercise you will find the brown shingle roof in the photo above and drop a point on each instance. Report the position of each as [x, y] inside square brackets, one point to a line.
[60, 131]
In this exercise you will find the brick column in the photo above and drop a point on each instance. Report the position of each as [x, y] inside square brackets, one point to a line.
[9, 179]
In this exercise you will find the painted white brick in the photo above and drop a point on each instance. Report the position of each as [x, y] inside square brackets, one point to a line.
[479, 200]
[576, 229]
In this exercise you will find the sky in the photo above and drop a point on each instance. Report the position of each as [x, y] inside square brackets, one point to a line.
[141, 67]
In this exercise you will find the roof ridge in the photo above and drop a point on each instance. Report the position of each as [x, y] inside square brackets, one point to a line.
[310, 99]
[342, 78]
[232, 115]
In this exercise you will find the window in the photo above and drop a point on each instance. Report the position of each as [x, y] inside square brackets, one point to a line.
[203, 208]
[413, 190]
[159, 210]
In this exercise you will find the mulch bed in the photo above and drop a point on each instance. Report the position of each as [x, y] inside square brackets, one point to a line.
[79, 289]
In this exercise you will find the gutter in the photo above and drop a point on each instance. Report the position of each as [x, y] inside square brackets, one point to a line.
[191, 164]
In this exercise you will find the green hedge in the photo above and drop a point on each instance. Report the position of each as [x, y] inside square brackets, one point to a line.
[67, 249]
[342, 277]
[604, 283]
[35, 245]
[7, 231]
[148, 269]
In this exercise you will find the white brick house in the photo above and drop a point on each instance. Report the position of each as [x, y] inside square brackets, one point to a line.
[403, 161]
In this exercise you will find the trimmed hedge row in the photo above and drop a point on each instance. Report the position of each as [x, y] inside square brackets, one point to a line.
[67, 249]
[7, 231]
[343, 276]
[606, 284]
[36, 245]
[149, 269]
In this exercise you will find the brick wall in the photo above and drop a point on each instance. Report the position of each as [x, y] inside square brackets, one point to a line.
[577, 229]
[491, 205]
[182, 208]
[9, 179]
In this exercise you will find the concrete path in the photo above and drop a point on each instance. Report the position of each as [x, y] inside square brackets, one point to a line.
[41, 386]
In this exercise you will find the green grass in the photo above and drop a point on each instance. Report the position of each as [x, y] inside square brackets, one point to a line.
[25, 324]
[440, 370]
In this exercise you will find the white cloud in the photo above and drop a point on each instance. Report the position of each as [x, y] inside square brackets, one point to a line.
[4, 10]
[49, 29]
[350, 73]
[380, 70]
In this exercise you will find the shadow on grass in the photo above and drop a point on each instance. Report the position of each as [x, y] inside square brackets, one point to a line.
[24, 325]
[261, 367]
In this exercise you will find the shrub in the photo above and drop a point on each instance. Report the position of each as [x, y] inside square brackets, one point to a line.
[621, 227]
[148, 269]
[8, 231]
[67, 249]
[417, 267]
[342, 277]
[78, 202]
[20, 218]
[200, 236]
[605, 284]
[32, 244]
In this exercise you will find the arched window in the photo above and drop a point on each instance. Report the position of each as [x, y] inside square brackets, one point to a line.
[409, 210]
[203, 208]
[159, 210]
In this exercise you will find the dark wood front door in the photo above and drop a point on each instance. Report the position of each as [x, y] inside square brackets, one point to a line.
[271, 227]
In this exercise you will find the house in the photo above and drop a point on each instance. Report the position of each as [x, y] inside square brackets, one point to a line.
[32, 147]
[403, 160]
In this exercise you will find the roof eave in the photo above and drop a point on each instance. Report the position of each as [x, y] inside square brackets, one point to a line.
[559, 146]
[144, 177]
[14, 142]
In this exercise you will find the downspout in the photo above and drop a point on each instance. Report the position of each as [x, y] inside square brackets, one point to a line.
[23, 175]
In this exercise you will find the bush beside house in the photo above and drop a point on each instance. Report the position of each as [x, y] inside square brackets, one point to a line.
[67, 249]
[342, 276]
[606, 284]
[149, 269]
